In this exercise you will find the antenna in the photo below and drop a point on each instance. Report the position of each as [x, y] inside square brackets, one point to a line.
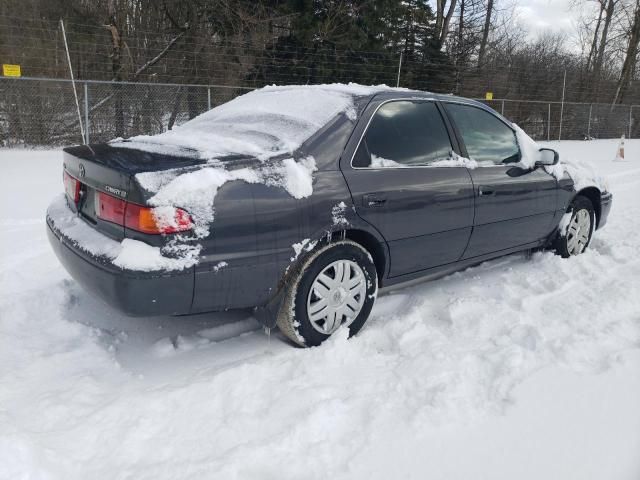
[73, 82]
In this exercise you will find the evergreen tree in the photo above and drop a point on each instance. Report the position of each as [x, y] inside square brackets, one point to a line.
[357, 40]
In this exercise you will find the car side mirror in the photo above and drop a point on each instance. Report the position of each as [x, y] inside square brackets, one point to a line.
[548, 157]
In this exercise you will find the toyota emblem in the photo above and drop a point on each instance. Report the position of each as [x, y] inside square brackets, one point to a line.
[82, 171]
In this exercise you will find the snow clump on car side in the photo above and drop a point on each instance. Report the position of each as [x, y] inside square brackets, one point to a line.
[129, 254]
[195, 190]
[338, 214]
[582, 174]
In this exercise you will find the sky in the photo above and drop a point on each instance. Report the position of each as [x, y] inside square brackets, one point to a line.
[538, 16]
[556, 16]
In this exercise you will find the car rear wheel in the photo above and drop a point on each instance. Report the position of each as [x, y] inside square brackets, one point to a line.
[574, 237]
[332, 288]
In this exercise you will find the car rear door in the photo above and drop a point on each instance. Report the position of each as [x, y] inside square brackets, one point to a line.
[515, 206]
[425, 213]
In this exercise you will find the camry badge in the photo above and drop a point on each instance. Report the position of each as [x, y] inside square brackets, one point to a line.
[115, 191]
[82, 170]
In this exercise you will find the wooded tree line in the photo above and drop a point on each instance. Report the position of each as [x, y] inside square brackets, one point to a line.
[466, 47]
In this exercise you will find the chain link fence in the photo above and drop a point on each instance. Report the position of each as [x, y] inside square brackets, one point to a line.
[570, 120]
[42, 112]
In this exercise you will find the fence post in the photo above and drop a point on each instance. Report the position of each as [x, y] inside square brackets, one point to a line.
[208, 98]
[399, 68]
[630, 120]
[87, 125]
[564, 84]
[589, 124]
[549, 123]
[502, 109]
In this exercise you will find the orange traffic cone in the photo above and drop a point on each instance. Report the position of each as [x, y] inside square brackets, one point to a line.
[620, 151]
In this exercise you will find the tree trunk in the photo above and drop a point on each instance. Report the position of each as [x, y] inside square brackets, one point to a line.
[460, 60]
[116, 68]
[597, 67]
[594, 43]
[447, 19]
[442, 19]
[176, 109]
[439, 15]
[460, 52]
[630, 58]
[485, 33]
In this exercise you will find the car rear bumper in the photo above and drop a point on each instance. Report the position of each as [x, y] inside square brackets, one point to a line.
[606, 199]
[134, 293]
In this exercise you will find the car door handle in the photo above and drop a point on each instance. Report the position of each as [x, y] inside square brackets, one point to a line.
[373, 200]
[486, 191]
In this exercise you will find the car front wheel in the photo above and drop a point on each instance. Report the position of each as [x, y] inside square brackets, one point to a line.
[575, 236]
[332, 288]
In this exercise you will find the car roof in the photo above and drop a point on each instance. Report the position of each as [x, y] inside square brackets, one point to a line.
[419, 94]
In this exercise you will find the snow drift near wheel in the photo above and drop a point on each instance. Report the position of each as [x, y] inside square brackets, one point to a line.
[335, 286]
[575, 236]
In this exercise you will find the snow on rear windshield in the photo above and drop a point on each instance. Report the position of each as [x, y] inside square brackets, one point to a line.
[263, 123]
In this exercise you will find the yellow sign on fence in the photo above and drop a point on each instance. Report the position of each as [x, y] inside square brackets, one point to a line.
[11, 70]
[488, 96]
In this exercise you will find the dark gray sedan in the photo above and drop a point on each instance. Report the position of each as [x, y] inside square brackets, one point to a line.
[301, 202]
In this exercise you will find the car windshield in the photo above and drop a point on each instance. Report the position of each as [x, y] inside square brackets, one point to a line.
[262, 123]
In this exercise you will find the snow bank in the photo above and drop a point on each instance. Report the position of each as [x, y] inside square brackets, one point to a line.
[263, 123]
[89, 393]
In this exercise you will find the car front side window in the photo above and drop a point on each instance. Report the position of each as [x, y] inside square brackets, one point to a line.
[404, 134]
[486, 137]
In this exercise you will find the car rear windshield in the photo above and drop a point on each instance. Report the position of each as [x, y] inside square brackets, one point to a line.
[263, 123]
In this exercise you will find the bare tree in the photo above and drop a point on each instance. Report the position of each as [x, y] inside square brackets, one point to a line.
[594, 43]
[630, 58]
[116, 65]
[599, 58]
[485, 33]
[443, 18]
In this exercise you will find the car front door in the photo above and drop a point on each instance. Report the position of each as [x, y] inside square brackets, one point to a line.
[424, 212]
[515, 206]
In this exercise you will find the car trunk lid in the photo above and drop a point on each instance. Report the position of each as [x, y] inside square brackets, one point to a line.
[108, 170]
[103, 169]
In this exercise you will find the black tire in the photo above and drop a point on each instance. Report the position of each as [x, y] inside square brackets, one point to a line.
[562, 244]
[293, 319]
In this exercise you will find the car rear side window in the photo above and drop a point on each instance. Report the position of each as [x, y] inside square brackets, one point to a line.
[485, 136]
[404, 134]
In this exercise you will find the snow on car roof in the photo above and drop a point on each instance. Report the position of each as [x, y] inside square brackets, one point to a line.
[263, 123]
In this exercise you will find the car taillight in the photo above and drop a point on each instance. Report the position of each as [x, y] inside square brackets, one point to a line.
[146, 220]
[110, 208]
[140, 218]
[71, 187]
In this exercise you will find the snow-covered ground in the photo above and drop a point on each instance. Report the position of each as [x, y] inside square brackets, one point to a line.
[516, 369]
